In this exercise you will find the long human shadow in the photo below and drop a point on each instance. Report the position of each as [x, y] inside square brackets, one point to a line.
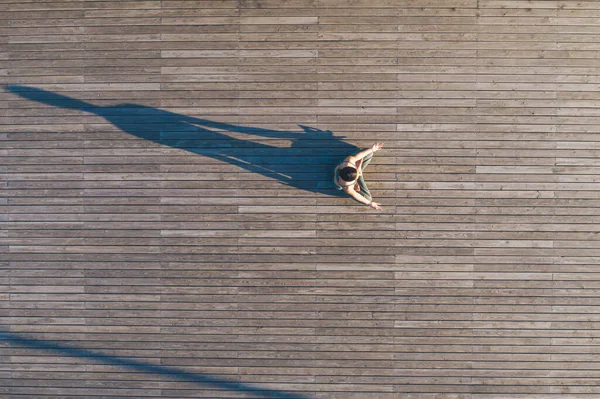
[179, 374]
[307, 164]
[301, 165]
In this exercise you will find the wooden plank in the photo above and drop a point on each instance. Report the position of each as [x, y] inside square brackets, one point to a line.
[478, 280]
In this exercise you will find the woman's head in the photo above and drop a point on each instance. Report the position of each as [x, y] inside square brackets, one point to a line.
[348, 173]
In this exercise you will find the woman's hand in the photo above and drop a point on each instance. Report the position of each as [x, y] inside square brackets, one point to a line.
[377, 147]
[375, 205]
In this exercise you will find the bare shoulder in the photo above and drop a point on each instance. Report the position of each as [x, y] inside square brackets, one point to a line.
[343, 164]
[350, 159]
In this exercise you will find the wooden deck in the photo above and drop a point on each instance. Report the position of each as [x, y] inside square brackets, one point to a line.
[166, 169]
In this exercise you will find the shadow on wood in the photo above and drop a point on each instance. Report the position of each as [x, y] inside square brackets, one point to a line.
[307, 164]
[179, 374]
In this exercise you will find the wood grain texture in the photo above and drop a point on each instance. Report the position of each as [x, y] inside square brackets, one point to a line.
[176, 206]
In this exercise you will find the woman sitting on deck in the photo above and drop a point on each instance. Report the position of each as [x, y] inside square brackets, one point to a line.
[348, 176]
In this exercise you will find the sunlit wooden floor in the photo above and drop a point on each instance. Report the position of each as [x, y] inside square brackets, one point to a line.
[167, 199]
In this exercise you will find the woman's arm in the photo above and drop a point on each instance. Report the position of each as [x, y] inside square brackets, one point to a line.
[357, 157]
[357, 196]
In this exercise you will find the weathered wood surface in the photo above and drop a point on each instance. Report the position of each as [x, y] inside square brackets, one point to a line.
[479, 280]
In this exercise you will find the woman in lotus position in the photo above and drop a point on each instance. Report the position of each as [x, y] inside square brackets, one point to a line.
[348, 176]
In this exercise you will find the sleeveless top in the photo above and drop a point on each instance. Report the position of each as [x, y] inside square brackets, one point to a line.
[336, 176]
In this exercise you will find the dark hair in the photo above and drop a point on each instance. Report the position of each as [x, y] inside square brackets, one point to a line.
[348, 173]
